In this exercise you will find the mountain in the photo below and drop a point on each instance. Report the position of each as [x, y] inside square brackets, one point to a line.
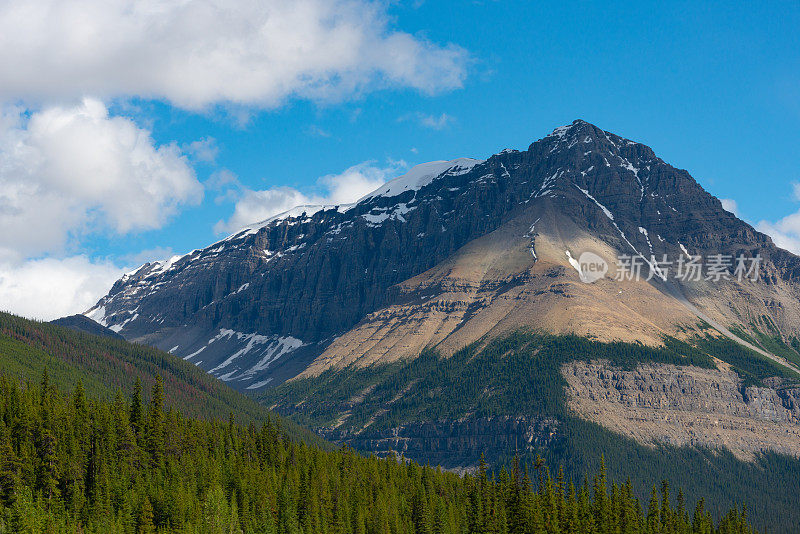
[454, 312]
[450, 253]
[81, 323]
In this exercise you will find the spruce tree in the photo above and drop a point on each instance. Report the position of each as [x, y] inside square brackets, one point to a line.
[136, 408]
[145, 522]
[154, 430]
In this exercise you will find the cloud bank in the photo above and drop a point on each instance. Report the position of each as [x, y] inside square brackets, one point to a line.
[68, 170]
[199, 53]
[50, 288]
[730, 205]
[337, 189]
[786, 231]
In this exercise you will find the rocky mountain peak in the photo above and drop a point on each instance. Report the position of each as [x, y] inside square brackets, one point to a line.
[264, 302]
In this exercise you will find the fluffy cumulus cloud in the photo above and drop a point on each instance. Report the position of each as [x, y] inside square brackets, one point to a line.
[204, 150]
[202, 52]
[358, 181]
[49, 288]
[786, 231]
[68, 170]
[334, 189]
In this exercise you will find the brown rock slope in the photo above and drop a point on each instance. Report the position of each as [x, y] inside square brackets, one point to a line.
[520, 276]
[687, 406]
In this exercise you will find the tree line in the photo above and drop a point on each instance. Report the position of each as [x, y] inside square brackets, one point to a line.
[69, 463]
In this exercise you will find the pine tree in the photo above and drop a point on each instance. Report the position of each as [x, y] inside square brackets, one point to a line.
[701, 521]
[9, 469]
[136, 408]
[653, 513]
[666, 510]
[602, 504]
[154, 431]
[419, 513]
[145, 522]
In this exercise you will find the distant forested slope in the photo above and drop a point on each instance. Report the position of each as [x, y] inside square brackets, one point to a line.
[105, 365]
[71, 463]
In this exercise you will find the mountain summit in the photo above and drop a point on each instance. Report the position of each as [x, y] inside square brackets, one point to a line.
[455, 252]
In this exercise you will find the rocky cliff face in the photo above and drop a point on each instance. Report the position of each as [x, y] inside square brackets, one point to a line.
[445, 255]
[688, 406]
[454, 444]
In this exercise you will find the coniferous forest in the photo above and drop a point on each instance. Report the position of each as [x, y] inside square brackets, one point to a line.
[71, 463]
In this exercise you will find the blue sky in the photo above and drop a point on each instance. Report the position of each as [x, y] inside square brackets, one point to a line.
[714, 89]
[714, 92]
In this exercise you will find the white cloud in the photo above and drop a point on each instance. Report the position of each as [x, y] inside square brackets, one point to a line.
[205, 149]
[72, 170]
[357, 181]
[137, 259]
[196, 53]
[316, 131]
[785, 233]
[436, 123]
[730, 205]
[433, 122]
[49, 288]
[254, 206]
[337, 189]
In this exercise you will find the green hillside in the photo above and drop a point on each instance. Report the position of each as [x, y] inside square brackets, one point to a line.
[105, 365]
[72, 464]
[519, 376]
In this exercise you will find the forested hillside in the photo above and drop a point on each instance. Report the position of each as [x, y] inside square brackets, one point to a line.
[507, 398]
[105, 365]
[69, 463]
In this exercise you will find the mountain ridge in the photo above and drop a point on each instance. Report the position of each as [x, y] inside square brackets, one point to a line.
[276, 296]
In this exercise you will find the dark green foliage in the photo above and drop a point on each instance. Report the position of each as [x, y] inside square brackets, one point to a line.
[74, 464]
[770, 339]
[519, 375]
[521, 369]
[751, 366]
[104, 365]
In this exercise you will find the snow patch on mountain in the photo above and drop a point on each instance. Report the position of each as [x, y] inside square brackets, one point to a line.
[249, 355]
[97, 314]
[421, 175]
[602, 207]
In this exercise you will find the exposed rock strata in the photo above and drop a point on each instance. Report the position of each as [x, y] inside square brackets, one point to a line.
[657, 403]
[454, 444]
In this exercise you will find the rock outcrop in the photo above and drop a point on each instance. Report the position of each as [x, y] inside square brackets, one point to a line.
[454, 444]
[656, 403]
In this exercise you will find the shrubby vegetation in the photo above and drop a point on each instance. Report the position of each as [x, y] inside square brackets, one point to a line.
[69, 463]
